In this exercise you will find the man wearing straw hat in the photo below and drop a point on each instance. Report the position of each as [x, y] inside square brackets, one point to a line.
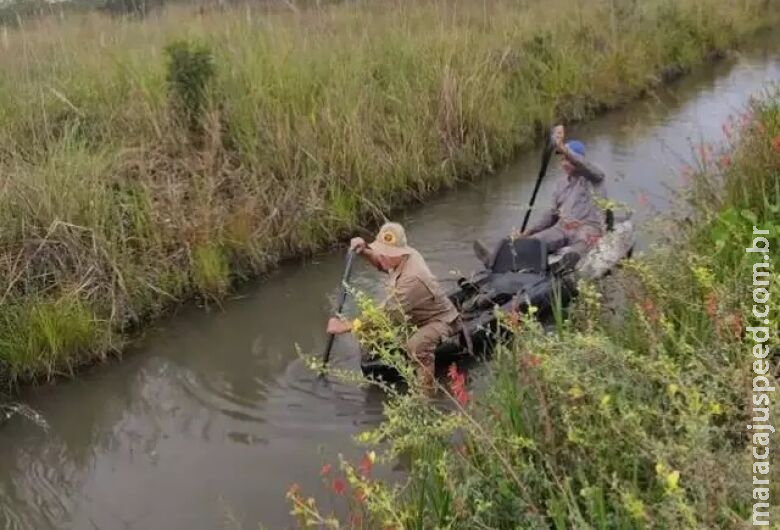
[413, 294]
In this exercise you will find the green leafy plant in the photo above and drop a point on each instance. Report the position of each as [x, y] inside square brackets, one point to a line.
[190, 70]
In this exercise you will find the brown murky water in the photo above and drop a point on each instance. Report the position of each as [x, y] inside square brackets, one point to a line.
[213, 417]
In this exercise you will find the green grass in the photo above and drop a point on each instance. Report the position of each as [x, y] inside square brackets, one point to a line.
[138, 177]
[211, 270]
[631, 414]
[40, 336]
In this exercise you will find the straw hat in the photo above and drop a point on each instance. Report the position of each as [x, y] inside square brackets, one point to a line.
[391, 241]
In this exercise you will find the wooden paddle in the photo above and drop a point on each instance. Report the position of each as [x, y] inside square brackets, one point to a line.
[549, 148]
[340, 305]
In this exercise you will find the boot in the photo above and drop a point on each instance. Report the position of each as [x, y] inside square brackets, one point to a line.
[482, 253]
[566, 264]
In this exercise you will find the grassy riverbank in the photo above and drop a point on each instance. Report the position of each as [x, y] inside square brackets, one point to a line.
[633, 413]
[135, 174]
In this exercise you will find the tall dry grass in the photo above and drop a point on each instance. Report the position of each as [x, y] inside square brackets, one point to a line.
[112, 208]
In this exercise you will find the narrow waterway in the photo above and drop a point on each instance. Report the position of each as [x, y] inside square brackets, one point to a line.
[212, 417]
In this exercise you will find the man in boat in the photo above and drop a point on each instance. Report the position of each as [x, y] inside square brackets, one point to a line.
[574, 218]
[413, 295]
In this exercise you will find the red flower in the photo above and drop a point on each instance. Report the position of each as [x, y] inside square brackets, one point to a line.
[325, 470]
[648, 307]
[365, 466]
[458, 385]
[338, 486]
[725, 161]
[711, 306]
[531, 361]
[776, 143]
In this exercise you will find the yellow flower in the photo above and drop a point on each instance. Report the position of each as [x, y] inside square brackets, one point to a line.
[672, 480]
[574, 436]
[670, 477]
[635, 507]
[703, 275]
[356, 325]
[715, 409]
[575, 392]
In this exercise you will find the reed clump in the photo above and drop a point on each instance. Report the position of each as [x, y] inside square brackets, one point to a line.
[143, 162]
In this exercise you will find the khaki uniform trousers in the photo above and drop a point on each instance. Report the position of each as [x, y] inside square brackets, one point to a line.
[422, 344]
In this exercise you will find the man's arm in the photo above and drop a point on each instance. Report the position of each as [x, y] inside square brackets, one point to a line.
[585, 167]
[338, 325]
[359, 246]
[549, 217]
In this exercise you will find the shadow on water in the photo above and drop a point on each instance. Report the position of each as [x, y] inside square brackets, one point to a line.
[214, 409]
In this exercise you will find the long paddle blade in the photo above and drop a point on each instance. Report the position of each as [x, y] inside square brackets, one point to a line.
[340, 304]
[546, 156]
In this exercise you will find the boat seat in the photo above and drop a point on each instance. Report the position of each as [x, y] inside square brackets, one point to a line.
[523, 254]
